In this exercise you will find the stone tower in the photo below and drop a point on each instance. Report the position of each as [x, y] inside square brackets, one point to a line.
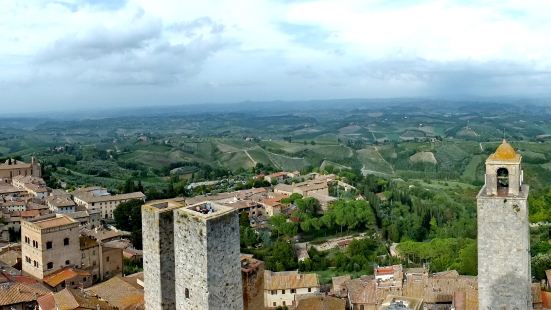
[191, 256]
[504, 276]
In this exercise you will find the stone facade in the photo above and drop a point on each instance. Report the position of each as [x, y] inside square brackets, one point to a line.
[13, 167]
[504, 276]
[191, 256]
[49, 245]
[158, 254]
[207, 258]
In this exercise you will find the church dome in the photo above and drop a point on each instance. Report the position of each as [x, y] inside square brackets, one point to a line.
[505, 152]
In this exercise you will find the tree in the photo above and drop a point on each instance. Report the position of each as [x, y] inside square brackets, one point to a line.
[128, 215]
[129, 186]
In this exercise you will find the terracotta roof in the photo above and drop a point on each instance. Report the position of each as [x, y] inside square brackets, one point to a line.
[6, 189]
[60, 201]
[46, 302]
[69, 299]
[119, 293]
[64, 300]
[505, 152]
[12, 293]
[89, 197]
[321, 303]
[11, 257]
[289, 279]
[30, 213]
[63, 275]
[362, 291]
[339, 284]
[60, 220]
[278, 174]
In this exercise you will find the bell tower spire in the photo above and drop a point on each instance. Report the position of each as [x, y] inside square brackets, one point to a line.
[504, 276]
[504, 172]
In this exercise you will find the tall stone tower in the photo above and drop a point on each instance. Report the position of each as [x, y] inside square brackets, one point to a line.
[191, 256]
[504, 276]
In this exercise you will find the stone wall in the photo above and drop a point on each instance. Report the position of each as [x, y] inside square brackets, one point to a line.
[504, 274]
[158, 254]
[207, 261]
[253, 288]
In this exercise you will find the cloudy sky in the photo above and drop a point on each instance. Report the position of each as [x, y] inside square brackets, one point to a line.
[105, 53]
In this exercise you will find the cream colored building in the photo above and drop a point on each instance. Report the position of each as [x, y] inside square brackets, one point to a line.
[34, 186]
[281, 288]
[49, 244]
[95, 198]
[13, 167]
[101, 260]
[61, 204]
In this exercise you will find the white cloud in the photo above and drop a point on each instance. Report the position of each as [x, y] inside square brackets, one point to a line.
[221, 50]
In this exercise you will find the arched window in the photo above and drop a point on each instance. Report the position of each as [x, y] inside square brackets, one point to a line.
[502, 180]
[187, 293]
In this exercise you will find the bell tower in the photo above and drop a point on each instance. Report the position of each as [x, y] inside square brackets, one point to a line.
[504, 276]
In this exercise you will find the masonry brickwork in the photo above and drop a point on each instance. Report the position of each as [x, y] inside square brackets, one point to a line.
[504, 276]
[191, 256]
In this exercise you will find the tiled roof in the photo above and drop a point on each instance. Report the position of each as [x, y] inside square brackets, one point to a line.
[89, 198]
[63, 275]
[60, 201]
[64, 300]
[30, 213]
[54, 222]
[505, 152]
[10, 257]
[289, 279]
[321, 303]
[119, 293]
[362, 291]
[12, 293]
[69, 299]
[46, 302]
[339, 282]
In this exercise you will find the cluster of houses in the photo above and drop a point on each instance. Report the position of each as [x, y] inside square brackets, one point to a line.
[263, 203]
[66, 250]
[390, 287]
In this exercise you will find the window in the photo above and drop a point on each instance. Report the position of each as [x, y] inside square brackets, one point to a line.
[84, 279]
[50, 265]
[282, 291]
[28, 259]
[274, 292]
[66, 241]
[67, 262]
[49, 245]
[274, 304]
[186, 293]
[35, 263]
[284, 303]
[293, 291]
[107, 259]
[309, 289]
[93, 263]
[361, 307]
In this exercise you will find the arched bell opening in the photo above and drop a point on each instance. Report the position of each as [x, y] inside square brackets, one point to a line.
[502, 181]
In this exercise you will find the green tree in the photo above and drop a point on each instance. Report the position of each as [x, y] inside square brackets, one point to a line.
[128, 215]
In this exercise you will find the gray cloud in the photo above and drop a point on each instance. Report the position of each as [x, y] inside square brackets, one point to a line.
[458, 77]
[141, 54]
